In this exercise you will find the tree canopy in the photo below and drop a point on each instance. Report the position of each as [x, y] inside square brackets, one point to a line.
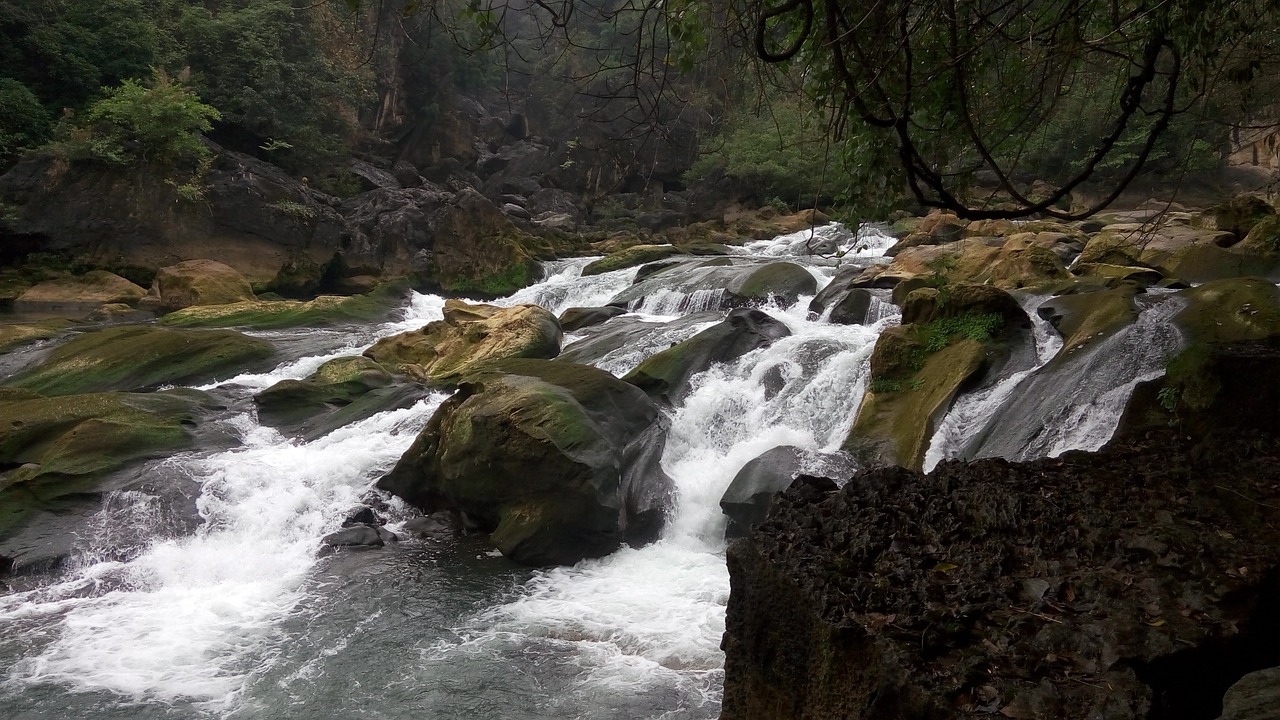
[989, 108]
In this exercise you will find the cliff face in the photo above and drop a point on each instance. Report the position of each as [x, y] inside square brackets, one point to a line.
[1137, 582]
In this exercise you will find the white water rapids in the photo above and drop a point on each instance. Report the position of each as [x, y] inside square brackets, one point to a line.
[242, 618]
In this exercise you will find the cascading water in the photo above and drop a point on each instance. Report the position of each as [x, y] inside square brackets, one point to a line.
[239, 617]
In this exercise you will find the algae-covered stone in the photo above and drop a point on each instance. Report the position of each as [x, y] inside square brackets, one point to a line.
[1016, 262]
[469, 337]
[1240, 214]
[665, 376]
[265, 314]
[1203, 263]
[1231, 310]
[55, 445]
[558, 461]
[895, 424]
[135, 357]
[782, 282]
[336, 383]
[1089, 317]
[630, 257]
[17, 334]
[199, 282]
[96, 287]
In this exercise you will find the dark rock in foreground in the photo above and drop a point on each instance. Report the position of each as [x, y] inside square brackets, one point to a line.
[1138, 582]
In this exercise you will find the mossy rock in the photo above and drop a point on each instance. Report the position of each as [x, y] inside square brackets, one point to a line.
[135, 357]
[1263, 238]
[267, 314]
[895, 422]
[1144, 276]
[199, 282]
[781, 281]
[1240, 214]
[1231, 310]
[929, 304]
[58, 445]
[12, 336]
[558, 461]
[96, 287]
[1092, 316]
[468, 338]
[337, 383]
[1204, 263]
[630, 257]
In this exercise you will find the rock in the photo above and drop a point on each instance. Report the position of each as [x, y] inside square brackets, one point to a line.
[336, 383]
[469, 337]
[780, 282]
[55, 446]
[372, 178]
[630, 257]
[621, 344]
[1239, 214]
[113, 313]
[1150, 245]
[1141, 276]
[1255, 697]
[1263, 239]
[516, 211]
[576, 318]
[1012, 263]
[199, 282]
[994, 587]
[1206, 262]
[437, 524]
[137, 357]
[954, 301]
[558, 461]
[748, 497]
[851, 308]
[12, 336]
[1090, 317]
[665, 376]
[363, 515]
[253, 215]
[325, 310]
[361, 535]
[897, 416]
[835, 290]
[406, 174]
[96, 287]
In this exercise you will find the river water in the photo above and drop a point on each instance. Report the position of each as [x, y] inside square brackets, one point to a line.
[237, 615]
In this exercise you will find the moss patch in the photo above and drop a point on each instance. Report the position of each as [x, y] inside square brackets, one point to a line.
[134, 357]
[12, 336]
[630, 257]
[267, 314]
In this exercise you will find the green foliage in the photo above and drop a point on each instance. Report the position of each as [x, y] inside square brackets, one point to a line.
[132, 123]
[782, 152]
[24, 123]
[937, 334]
[1187, 379]
[885, 385]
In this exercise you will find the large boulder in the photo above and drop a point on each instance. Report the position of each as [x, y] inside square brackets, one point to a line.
[558, 461]
[137, 357]
[199, 282]
[780, 282]
[1135, 583]
[1150, 245]
[1019, 261]
[55, 447]
[665, 376]
[1255, 697]
[576, 318]
[94, 288]
[468, 338]
[719, 283]
[630, 257]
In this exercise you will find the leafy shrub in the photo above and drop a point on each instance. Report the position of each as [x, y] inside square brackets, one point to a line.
[24, 123]
[161, 124]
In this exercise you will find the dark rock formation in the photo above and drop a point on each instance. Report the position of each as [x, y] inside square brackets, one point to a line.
[359, 535]
[558, 461]
[1137, 582]
[335, 384]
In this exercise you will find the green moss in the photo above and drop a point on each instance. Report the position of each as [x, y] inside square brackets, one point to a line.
[12, 336]
[267, 314]
[495, 284]
[138, 356]
[630, 257]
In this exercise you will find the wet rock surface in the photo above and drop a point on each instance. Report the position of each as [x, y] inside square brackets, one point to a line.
[1137, 582]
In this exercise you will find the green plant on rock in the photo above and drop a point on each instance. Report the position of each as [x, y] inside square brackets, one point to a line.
[937, 334]
[132, 124]
[885, 385]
